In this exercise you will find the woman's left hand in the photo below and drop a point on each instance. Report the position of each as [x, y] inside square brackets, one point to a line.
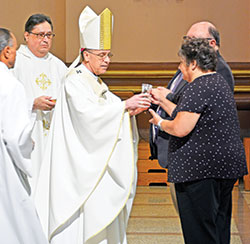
[159, 94]
[156, 117]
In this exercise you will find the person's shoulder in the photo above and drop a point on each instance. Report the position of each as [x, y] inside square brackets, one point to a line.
[14, 81]
[224, 69]
[57, 60]
[76, 75]
[77, 82]
[12, 84]
[75, 72]
[20, 57]
[23, 52]
[78, 72]
[222, 65]
[200, 84]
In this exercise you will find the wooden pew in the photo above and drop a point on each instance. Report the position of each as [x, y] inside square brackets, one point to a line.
[149, 171]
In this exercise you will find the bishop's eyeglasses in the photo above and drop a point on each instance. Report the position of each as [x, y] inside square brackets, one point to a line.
[101, 56]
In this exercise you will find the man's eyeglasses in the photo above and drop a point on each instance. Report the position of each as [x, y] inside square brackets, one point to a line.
[102, 56]
[42, 35]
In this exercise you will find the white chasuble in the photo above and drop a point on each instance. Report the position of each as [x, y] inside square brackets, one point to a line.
[40, 77]
[88, 177]
[19, 223]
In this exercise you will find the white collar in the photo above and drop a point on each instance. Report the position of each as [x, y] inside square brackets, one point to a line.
[89, 72]
[100, 88]
[23, 49]
[4, 66]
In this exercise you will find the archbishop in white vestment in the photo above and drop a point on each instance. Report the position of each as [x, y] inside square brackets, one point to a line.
[88, 177]
[40, 76]
[19, 223]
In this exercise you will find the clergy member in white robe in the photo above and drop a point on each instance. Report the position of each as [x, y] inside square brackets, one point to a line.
[41, 74]
[88, 178]
[19, 223]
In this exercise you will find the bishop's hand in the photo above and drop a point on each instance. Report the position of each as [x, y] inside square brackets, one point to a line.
[138, 103]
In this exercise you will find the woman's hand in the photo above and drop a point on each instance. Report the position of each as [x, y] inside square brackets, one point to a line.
[159, 94]
[156, 117]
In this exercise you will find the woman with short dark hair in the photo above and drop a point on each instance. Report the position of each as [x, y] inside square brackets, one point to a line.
[206, 155]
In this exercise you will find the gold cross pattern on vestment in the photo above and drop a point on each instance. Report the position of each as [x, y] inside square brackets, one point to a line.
[43, 81]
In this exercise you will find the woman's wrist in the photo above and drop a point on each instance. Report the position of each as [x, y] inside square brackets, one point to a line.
[159, 124]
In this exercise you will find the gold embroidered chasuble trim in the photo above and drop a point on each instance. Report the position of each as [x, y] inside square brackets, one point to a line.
[99, 87]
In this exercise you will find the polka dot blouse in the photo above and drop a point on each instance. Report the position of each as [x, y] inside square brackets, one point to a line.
[213, 149]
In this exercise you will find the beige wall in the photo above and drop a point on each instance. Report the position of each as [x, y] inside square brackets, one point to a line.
[15, 13]
[144, 30]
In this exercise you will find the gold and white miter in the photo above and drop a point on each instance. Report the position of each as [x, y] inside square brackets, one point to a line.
[95, 30]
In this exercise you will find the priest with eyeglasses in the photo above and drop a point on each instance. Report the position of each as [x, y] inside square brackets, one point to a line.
[42, 74]
[88, 178]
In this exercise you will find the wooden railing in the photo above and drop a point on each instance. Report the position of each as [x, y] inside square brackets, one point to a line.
[127, 78]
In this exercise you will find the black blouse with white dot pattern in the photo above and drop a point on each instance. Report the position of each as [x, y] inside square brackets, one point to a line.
[213, 149]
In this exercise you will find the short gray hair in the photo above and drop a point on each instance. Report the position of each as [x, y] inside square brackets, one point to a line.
[5, 39]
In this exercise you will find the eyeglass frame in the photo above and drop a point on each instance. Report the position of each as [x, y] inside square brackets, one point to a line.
[99, 55]
[41, 35]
